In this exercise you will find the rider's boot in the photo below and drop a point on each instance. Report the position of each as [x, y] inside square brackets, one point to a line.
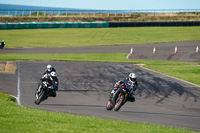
[53, 94]
[132, 98]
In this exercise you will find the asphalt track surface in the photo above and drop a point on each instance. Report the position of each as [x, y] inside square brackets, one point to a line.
[84, 86]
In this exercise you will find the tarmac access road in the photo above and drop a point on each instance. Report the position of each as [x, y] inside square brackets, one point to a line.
[84, 88]
[164, 51]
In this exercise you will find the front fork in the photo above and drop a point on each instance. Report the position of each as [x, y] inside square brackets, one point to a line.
[38, 91]
[115, 96]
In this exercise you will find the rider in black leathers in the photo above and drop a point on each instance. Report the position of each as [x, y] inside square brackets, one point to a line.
[52, 79]
[2, 44]
[133, 79]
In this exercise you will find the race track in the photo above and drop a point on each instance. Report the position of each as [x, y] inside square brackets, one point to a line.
[85, 86]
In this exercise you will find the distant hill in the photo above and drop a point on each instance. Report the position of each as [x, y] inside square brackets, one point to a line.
[24, 7]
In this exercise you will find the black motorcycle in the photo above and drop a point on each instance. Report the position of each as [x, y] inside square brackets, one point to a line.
[45, 89]
[121, 96]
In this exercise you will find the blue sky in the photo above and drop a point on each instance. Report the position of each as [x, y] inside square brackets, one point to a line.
[110, 4]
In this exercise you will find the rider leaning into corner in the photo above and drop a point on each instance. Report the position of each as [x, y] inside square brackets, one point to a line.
[50, 75]
[2, 44]
[132, 78]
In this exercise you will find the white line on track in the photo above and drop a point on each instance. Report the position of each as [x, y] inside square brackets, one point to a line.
[128, 56]
[18, 84]
[131, 52]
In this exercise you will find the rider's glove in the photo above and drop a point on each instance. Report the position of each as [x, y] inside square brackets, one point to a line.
[115, 86]
[114, 89]
[118, 82]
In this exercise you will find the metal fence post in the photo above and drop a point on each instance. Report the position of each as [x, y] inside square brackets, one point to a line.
[15, 13]
[30, 13]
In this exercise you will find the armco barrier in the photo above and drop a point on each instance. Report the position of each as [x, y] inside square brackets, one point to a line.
[40, 25]
[143, 24]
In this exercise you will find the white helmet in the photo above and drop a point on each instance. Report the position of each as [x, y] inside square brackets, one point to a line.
[132, 77]
[49, 68]
[53, 75]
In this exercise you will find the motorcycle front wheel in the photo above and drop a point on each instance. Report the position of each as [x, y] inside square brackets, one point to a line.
[119, 102]
[109, 106]
[41, 96]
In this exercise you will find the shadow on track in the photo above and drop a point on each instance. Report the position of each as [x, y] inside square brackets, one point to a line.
[152, 86]
[161, 114]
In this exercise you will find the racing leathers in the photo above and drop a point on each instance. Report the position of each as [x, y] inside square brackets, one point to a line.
[2, 44]
[48, 72]
[131, 93]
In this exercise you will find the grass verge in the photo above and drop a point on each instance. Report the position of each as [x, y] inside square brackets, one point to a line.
[17, 119]
[182, 70]
[68, 37]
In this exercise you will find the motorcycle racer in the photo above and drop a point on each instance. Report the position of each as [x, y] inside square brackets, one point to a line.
[52, 79]
[133, 79]
[2, 44]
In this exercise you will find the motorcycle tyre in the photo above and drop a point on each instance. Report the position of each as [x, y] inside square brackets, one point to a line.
[119, 103]
[40, 99]
[108, 106]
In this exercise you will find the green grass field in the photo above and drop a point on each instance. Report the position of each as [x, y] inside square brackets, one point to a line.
[68, 37]
[14, 118]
